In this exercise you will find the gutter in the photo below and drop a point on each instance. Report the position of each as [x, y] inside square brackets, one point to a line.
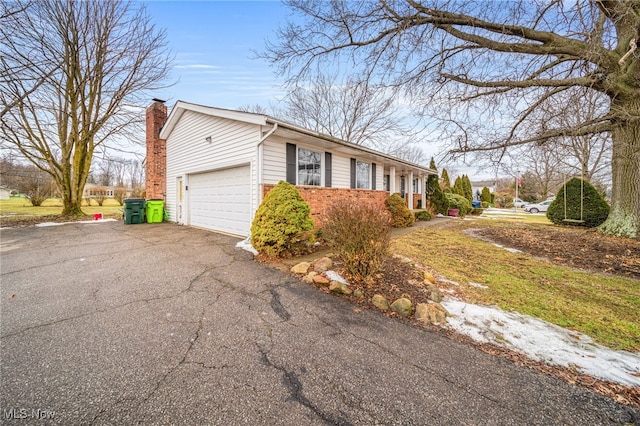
[269, 133]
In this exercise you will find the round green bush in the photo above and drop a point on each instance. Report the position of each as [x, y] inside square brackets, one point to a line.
[595, 208]
[423, 215]
[281, 224]
[459, 203]
[401, 216]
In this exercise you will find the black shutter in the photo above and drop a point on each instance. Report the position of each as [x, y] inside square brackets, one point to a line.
[327, 169]
[291, 163]
[353, 173]
[373, 176]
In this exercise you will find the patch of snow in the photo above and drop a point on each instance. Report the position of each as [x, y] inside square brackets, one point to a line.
[543, 341]
[334, 276]
[246, 245]
[446, 280]
[477, 285]
[45, 224]
[509, 249]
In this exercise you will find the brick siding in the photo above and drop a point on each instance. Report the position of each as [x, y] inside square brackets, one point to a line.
[319, 198]
[156, 163]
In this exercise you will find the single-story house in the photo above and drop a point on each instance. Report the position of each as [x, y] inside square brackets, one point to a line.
[5, 193]
[476, 187]
[213, 166]
[91, 190]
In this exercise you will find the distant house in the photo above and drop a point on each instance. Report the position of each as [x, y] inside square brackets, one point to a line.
[477, 186]
[213, 166]
[5, 193]
[92, 190]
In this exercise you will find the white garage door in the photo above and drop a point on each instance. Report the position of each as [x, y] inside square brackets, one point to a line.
[220, 200]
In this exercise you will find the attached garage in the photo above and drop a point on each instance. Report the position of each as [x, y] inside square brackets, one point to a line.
[213, 165]
[221, 200]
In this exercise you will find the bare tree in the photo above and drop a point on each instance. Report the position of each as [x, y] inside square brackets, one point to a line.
[586, 155]
[493, 65]
[27, 179]
[17, 57]
[544, 169]
[98, 60]
[355, 111]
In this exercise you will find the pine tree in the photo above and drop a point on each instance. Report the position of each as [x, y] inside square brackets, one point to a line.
[468, 189]
[445, 182]
[485, 197]
[436, 197]
[458, 187]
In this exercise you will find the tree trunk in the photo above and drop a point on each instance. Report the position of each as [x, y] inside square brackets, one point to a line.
[76, 178]
[624, 218]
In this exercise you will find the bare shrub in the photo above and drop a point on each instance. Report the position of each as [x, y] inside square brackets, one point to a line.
[360, 234]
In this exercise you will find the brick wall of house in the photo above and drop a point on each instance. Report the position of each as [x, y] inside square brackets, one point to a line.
[416, 199]
[320, 198]
[156, 163]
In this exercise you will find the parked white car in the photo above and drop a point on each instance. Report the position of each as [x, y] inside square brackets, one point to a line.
[517, 202]
[538, 207]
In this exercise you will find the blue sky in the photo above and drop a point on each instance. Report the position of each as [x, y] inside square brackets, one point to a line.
[212, 42]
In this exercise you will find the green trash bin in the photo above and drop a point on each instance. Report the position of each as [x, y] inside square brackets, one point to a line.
[134, 210]
[155, 211]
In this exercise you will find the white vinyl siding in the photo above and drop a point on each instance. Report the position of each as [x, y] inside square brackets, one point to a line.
[233, 143]
[274, 165]
[341, 172]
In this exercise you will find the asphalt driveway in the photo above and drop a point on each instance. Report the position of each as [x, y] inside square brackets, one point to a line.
[112, 324]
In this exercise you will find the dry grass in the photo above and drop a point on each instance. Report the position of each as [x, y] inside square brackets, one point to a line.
[602, 306]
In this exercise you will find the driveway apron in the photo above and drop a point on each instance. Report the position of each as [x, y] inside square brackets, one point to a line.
[109, 323]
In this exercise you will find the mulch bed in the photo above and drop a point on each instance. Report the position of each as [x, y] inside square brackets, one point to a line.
[578, 248]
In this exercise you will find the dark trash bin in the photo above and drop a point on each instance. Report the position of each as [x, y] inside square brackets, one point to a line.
[134, 210]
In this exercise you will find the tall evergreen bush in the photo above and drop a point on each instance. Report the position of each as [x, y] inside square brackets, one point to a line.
[595, 209]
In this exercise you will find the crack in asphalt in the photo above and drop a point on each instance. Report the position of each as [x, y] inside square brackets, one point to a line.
[277, 306]
[406, 361]
[292, 383]
[189, 288]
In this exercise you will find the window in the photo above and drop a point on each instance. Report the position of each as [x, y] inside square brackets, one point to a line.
[415, 186]
[363, 172]
[309, 171]
[386, 183]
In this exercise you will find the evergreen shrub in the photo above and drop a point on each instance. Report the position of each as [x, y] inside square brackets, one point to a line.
[595, 208]
[423, 215]
[282, 223]
[401, 216]
[459, 203]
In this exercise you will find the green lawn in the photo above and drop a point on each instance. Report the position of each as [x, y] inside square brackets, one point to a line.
[519, 216]
[21, 207]
[601, 306]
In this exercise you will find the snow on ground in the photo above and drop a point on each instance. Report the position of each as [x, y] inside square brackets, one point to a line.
[79, 221]
[543, 341]
[246, 245]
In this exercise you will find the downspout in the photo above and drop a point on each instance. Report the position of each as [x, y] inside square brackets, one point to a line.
[269, 133]
[259, 159]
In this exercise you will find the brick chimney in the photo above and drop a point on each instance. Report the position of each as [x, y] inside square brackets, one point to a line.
[156, 164]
